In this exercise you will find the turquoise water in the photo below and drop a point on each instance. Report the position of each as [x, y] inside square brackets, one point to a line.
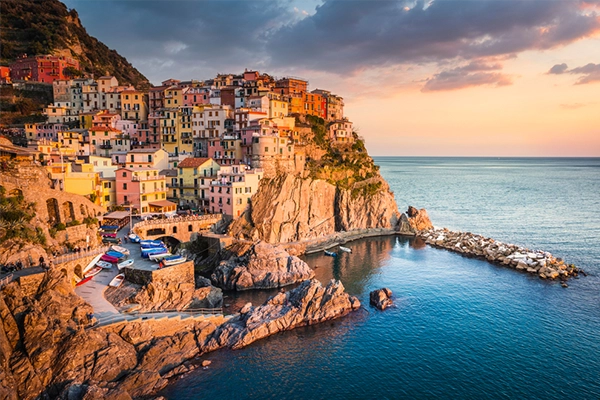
[462, 328]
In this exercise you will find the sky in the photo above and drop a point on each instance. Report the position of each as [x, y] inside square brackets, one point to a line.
[419, 78]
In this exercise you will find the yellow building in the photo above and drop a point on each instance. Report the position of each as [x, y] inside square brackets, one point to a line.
[134, 105]
[168, 129]
[192, 184]
[278, 108]
[108, 195]
[173, 97]
[184, 137]
[77, 179]
[86, 119]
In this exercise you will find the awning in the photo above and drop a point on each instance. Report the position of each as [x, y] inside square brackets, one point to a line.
[117, 215]
[163, 203]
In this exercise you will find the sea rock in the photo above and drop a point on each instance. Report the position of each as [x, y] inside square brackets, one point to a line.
[264, 266]
[381, 298]
[310, 303]
[417, 220]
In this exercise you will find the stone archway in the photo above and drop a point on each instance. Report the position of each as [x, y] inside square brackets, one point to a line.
[16, 193]
[78, 271]
[155, 231]
[69, 211]
[172, 243]
[54, 216]
[83, 211]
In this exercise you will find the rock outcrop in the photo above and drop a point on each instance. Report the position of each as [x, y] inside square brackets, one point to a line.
[308, 304]
[537, 262]
[381, 298]
[414, 221]
[49, 350]
[263, 266]
[290, 208]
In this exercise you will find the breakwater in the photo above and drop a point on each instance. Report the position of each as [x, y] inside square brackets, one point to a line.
[536, 262]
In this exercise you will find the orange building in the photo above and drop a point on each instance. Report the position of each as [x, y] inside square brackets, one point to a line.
[291, 86]
[315, 104]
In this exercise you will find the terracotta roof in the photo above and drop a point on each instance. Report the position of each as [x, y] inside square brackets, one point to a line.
[192, 162]
[103, 129]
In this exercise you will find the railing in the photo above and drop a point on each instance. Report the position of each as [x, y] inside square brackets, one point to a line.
[6, 280]
[75, 256]
[202, 311]
[187, 218]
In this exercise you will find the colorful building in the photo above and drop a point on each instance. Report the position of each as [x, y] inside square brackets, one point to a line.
[46, 68]
[192, 184]
[144, 189]
[134, 105]
[230, 193]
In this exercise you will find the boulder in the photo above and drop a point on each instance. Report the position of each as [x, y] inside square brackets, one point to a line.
[263, 266]
[381, 298]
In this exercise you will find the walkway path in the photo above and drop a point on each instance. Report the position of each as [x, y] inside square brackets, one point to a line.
[93, 293]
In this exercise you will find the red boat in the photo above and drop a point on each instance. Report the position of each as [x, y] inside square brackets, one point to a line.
[84, 280]
[109, 259]
[112, 235]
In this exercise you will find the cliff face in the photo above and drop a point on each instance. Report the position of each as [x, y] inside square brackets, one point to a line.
[291, 208]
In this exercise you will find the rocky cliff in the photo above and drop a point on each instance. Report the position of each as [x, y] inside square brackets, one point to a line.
[291, 208]
[263, 266]
[48, 349]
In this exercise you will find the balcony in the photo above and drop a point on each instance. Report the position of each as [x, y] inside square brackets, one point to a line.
[147, 178]
[106, 146]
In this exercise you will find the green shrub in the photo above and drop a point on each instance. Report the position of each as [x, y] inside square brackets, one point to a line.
[60, 226]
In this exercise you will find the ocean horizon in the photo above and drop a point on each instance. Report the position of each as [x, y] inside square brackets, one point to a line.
[460, 327]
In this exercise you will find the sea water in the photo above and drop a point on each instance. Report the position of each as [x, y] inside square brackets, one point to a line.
[461, 328]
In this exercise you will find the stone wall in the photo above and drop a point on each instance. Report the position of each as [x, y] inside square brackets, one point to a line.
[183, 229]
[183, 272]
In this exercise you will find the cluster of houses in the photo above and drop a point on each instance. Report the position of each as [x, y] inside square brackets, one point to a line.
[200, 145]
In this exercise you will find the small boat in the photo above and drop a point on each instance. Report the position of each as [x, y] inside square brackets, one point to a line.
[115, 254]
[134, 238]
[158, 257]
[92, 272]
[84, 280]
[117, 280]
[109, 228]
[330, 253]
[151, 243]
[110, 235]
[147, 252]
[119, 249]
[126, 263]
[110, 259]
[173, 260]
[92, 264]
[346, 249]
[104, 264]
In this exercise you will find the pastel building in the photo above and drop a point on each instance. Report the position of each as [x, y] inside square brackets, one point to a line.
[144, 189]
[341, 131]
[134, 105]
[192, 183]
[230, 193]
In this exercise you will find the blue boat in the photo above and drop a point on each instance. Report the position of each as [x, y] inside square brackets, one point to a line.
[151, 243]
[157, 250]
[115, 254]
[330, 253]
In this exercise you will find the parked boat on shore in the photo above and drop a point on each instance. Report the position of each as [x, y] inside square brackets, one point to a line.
[110, 259]
[84, 280]
[117, 280]
[119, 249]
[104, 264]
[94, 271]
[126, 263]
[173, 260]
[346, 249]
[159, 257]
[330, 253]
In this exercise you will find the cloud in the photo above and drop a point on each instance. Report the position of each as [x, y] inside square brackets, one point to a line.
[338, 37]
[590, 72]
[476, 73]
[572, 106]
[558, 69]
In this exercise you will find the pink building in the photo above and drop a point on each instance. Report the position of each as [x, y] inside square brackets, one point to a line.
[195, 95]
[230, 193]
[144, 189]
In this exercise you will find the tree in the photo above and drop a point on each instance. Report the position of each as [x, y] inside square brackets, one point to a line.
[72, 72]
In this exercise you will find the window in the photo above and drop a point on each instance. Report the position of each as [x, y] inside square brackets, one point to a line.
[124, 186]
[125, 199]
[144, 198]
[124, 174]
[266, 149]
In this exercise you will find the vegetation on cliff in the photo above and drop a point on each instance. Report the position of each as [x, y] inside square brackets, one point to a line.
[47, 27]
[346, 166]
[15, 219]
